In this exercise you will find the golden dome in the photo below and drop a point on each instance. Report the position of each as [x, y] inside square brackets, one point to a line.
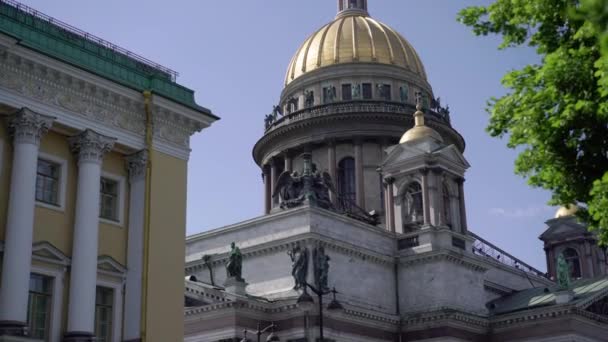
[354, 38]
[567, 211]
[420, 131]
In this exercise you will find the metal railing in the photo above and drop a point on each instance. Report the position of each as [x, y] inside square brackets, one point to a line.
[353, 107]
[485, 248]
[85, 35]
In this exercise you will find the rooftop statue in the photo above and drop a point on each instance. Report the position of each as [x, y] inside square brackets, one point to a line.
[234, 268]
[563, 272]
[299, 268]
[311, 187]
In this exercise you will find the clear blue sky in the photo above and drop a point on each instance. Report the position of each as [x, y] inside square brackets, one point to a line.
[234, 55]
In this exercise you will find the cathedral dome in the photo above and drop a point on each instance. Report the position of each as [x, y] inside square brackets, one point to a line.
[354, 37]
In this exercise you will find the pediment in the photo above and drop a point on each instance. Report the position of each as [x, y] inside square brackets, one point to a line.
[402, 152]
[563, 228]
[108, 265]
[46, 252]
[452, 154]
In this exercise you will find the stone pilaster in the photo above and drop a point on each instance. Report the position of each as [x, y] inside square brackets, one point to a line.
[462, 206]
[136, 165]
[360, 183]
[90, 148]
[27, 127]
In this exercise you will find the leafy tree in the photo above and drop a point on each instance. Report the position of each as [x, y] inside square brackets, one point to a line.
[555, 111]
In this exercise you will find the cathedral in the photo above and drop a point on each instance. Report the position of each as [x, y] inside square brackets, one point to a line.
[365, 234]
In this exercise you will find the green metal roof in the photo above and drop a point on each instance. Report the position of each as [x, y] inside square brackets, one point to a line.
[68, 44]
[545, 296]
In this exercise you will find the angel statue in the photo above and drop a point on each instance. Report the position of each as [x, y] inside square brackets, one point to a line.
[299, 270]
[563, 272]
[311, 187]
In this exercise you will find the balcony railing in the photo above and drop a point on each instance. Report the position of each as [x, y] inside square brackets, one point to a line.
[484, 248]
[354, 107]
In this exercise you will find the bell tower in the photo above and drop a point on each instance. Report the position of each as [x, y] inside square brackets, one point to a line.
[424, 180]
[352, 7]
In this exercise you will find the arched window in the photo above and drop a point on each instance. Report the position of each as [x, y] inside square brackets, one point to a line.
[412, 211]
[573, 260]
[346, 181]
[447, 206]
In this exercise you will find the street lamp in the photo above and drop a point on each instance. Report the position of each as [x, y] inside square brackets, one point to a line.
[306, 303]
[271, 338]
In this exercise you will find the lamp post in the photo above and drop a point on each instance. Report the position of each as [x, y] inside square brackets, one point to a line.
[271, 338]
[306, 303]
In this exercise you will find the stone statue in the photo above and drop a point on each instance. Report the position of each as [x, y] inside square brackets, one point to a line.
[234, 268]
[321, 267]
[268, 121]
[356, 91]
[309, 98]
[311, 187]
[563, 272]
[330, 94]
[403, 93]
[276, 111]
[299, 268]
[207, 262]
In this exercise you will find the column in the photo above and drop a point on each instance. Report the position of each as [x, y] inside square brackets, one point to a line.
[89, 147]
[359, 174]
[274, 177]
[288, 162]
[331, 166]
[390, 204]
[426, 203]
[463, 211]
[136, 165]
[27, 128]
[267, 189]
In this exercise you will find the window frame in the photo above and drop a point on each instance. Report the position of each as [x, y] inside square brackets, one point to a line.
[57, 276]
[578, 261]
[61, 184]
[371, 90]
[120, 199]
[116, 305]
[349, 93]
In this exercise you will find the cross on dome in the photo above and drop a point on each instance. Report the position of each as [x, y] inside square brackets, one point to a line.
[351, 7]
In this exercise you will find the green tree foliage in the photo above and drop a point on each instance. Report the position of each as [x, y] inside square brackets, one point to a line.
[555, 111]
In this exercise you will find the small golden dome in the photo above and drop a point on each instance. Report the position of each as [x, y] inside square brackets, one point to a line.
[567, 211]
[354, 38]
[420, 131]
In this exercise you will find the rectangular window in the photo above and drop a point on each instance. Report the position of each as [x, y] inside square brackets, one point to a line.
[366, 90]
[39, 306]
[104, 311]
[47, 182]
[108, 201]
[384, 92]
[347, 92]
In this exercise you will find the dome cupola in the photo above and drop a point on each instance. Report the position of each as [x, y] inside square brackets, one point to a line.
[352, 7]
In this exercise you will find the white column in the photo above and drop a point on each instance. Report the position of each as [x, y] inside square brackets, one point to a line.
[27, 127]
[136, 164]
[90, 148]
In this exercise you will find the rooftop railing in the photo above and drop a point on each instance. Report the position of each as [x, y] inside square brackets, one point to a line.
[485, 248]
[354, 106]
[71, 32]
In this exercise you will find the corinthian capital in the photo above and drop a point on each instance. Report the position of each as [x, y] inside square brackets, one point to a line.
[90, 146]
[136, 164]
[28, 127]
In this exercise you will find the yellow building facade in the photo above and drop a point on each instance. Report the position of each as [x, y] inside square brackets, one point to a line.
[94, 146]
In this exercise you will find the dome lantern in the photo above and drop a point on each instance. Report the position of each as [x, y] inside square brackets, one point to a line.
[352, 7]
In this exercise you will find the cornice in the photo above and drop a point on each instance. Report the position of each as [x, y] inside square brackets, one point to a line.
[413, 321]
[84, 102]
[444, 255]
[280, 135]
